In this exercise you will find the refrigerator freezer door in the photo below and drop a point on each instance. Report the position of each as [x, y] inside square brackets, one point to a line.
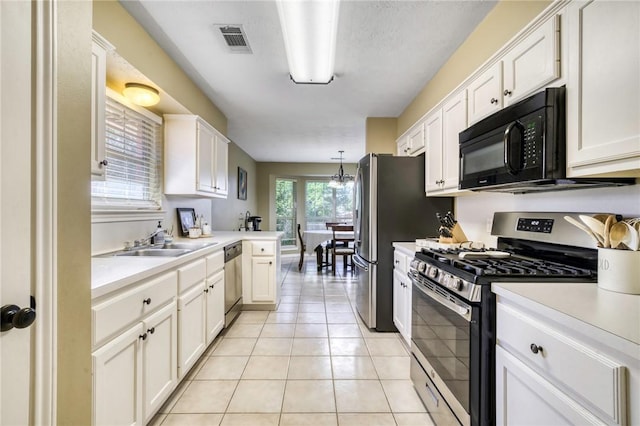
[365, 209]
[366, 290]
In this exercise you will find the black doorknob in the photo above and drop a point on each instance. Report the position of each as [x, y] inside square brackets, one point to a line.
[12, 316]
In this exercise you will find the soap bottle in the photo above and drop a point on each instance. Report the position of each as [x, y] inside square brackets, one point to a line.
[159, 237]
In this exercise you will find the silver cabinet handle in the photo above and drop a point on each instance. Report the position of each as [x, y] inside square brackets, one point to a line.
[494, 101]
[507, 92]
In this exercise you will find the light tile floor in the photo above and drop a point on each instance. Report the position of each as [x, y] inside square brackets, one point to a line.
[310, 362]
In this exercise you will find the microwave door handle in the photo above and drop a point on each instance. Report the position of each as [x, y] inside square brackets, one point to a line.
[507, 147]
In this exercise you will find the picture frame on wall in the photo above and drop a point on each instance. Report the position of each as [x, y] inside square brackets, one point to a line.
[242, 184]
[187, 219]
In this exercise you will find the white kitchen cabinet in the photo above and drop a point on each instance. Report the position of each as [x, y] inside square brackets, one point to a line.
[261, 272]
[99, 50]
[485, 93]
[548, 375]
[416, 138]
[403, 147]
[402, 295]
[196, 157]
[603, 88]
[262, 279]
[191, 327]
[215, 306]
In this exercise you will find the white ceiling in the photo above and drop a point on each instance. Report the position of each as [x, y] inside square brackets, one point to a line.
[386, 52]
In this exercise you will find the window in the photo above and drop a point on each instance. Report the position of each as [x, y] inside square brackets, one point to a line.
[325, 204]
[286, 211]
[133, 148]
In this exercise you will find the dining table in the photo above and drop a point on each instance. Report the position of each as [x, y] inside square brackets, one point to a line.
[313, 240]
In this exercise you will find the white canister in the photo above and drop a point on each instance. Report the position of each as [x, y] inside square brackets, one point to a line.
[194, 232]
[619, 270]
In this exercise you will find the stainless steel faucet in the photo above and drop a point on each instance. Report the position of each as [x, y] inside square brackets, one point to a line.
[145, 241]
[246, 220]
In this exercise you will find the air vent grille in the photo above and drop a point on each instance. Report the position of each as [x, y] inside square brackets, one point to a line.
[235, 38]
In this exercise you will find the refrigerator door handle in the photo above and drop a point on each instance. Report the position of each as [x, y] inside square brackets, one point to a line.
[359, 262]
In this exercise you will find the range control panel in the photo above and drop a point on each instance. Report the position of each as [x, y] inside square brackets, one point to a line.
[535, 225]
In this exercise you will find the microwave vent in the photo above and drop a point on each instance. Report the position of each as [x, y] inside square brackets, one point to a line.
[235, 38]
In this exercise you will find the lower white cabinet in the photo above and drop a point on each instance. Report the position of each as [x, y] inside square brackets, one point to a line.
[215, 306]
[402, 295]
[262, 279]
[191, 319]
[261, 272]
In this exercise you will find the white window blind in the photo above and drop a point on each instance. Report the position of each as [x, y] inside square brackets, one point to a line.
[133, 148]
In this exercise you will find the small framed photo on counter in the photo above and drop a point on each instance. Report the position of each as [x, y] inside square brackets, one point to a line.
[242, 184]
[187, 219]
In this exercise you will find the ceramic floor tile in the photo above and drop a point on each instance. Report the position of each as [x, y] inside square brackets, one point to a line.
[344, 330]
[359, 419]
[392, 367]
[353, 367]
[312, 318]
[252, 317]
[257, 396]
[314, 419]
[266, 367]
[309, 367]
[206, 396]
[341, 318]
[309, 396]
[174, 397]
[250, 420]
[269, 346]
[360, 396]
[414, 419]
[373, 334]
[222, 368]
[310, 346]
[312, 292]
[338, 307]
[402, 397]
[386, 347]
[289, 299]
[312, 307]
[278, 330]
[311, 299]
[311, 330]
[348, 346]
[243, 330]
[287, 307]
[282, 318]
[196, 419]
[234, 346]
[336, 299]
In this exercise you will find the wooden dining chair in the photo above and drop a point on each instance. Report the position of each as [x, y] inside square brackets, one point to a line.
[302, 249]
[328, 245]
[341, 246]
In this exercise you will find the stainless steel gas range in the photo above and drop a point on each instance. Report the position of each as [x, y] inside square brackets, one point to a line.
[453, 309]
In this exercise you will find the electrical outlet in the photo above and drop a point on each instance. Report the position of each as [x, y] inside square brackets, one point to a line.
[489, 224]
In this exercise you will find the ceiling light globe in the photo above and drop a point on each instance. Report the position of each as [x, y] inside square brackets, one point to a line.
[141, 94]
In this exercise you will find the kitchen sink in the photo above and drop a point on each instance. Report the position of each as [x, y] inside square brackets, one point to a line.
[164, 252]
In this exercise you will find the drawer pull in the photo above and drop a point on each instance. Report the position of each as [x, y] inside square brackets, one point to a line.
[206, 290]
[143, 336]
[151, 330]
[535, 348]
[211, 286]
[147, 301]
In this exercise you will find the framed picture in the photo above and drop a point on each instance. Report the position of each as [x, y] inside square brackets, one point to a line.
[186, 219]
[242, 184]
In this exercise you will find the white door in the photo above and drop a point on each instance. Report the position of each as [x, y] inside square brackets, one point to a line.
[16, 280]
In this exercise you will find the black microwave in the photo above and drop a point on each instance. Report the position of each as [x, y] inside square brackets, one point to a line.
[522, 148]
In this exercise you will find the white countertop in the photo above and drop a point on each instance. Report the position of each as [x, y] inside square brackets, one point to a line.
[112, 273]
[612, 312]
[408, 248]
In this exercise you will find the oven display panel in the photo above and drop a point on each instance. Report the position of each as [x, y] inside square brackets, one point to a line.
[535, 225]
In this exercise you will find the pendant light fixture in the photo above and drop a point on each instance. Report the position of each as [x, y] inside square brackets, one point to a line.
[339, 179]
[141, 94]
[309, 28]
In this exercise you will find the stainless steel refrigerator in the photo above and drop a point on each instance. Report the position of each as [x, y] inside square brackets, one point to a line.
[390, 205]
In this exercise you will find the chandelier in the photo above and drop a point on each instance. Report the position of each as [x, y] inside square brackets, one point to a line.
[339, 179]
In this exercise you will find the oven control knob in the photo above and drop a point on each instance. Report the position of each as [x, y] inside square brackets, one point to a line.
[457, 284]
[422, 267]
[433, 272]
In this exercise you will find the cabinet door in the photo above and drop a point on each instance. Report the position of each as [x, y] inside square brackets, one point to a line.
[191, 323]
[263, 279]
[215, 305]
[485, 93]
[433, 157]
[221, 166]
[454, 121]
[403, 148]
[603, 88]
[407, 308]
[117, 375]
[524, 397]
[532, 63]
[98, 107]
[399, 314]
[159, 358]
[416, 139]
[205, 159]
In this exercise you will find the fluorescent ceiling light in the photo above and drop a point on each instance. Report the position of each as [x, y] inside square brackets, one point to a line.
[309, 28]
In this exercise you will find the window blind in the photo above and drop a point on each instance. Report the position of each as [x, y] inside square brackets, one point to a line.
[133, 148]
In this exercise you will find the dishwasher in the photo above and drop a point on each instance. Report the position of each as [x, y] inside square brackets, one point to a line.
[232, 282]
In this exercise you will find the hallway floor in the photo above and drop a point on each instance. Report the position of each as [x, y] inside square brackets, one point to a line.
[310, 362]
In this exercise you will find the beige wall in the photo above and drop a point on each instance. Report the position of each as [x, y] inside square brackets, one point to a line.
[266, 181]
[381, 135]
[73, 121]
[505, 20]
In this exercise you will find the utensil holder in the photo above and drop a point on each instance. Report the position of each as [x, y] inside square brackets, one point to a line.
[619, 270]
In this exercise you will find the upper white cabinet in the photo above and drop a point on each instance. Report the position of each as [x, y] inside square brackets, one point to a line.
[196, 157]
[416, 139]
[403, 147]
[99, 50]
[530, 64]
[603, 88]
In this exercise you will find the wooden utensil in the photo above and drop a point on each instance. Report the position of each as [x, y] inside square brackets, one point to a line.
[607, 230]
[622, 232]
[595, 225]
[584, 229]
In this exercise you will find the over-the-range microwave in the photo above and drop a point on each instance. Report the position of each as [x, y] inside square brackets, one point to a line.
[522, 148]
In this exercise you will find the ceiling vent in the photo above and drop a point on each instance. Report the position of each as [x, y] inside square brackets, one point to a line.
[235, 38]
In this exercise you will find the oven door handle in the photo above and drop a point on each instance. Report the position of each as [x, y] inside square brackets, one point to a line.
[463, 311]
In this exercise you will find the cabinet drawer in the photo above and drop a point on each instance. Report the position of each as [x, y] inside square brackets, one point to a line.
[572, 366]
[215, 262]
[399, 261]
[191, 274]
[118, 312]
[263, 248]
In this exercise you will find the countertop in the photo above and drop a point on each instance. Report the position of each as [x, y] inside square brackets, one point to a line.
[109, 274]
[407, 248]
[615, 313]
